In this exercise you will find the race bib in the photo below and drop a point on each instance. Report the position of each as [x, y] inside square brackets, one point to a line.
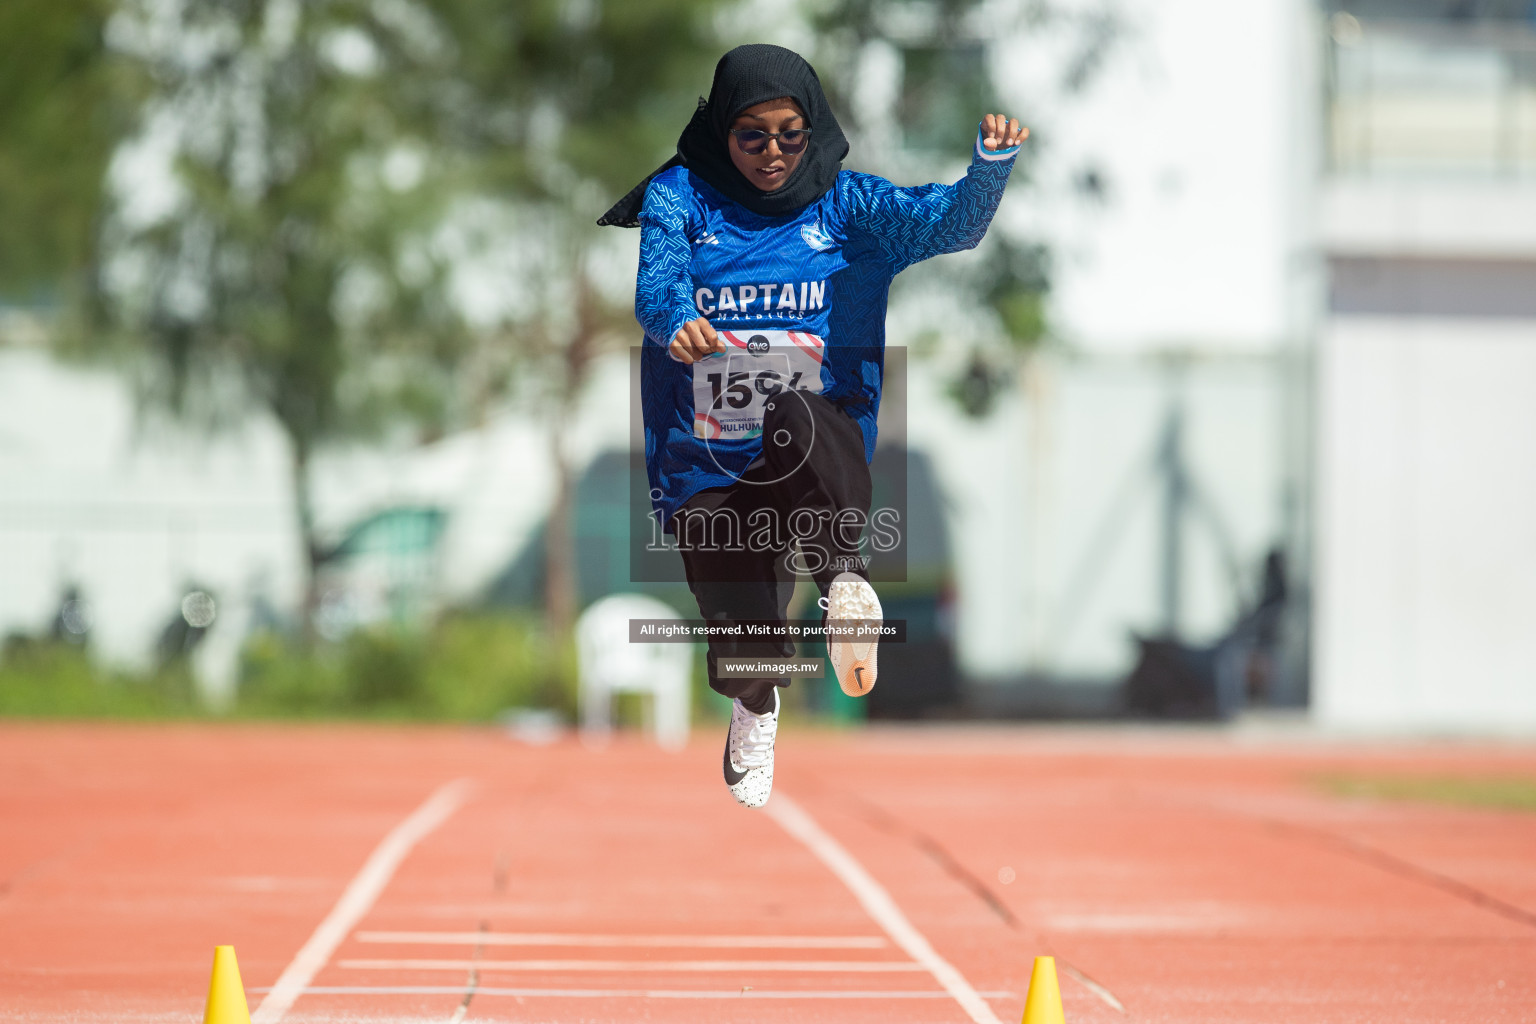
[730, 388]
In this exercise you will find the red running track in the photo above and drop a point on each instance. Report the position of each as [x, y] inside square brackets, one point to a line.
[1177, 876]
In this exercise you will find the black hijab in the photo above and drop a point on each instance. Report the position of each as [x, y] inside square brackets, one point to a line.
[745, 77]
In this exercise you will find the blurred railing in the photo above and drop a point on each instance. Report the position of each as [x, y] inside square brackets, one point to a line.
[1424, 98]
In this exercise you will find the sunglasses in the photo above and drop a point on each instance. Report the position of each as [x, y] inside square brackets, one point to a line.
[753, 142]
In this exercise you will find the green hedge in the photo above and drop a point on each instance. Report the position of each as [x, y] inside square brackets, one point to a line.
[465, 668]
[41, 679]
[468, 667]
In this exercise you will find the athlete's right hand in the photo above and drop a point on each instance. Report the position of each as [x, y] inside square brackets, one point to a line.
[695, 340]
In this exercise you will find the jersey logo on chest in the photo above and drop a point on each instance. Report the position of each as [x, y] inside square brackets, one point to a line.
[816, 238]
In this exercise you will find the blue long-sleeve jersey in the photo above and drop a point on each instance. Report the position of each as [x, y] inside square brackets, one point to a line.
[823, 273]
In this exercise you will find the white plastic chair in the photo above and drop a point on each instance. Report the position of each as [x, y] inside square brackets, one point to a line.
[608, 663]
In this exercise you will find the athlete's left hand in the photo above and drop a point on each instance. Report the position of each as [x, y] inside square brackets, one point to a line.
[998, 132]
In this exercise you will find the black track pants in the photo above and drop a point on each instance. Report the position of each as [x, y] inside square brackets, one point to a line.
[739, 566]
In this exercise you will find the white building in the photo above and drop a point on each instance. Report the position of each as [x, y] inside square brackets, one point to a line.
[1426, 437]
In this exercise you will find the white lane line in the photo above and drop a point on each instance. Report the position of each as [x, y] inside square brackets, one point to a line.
[813, 966]
[358, 899]
[1092, 986]
[570, 939]
[474, 980]
[878, 904]
[634, 993]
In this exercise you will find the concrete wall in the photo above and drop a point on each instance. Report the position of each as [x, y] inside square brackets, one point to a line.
[1056, 506]
[1426, 575]
[132, 509]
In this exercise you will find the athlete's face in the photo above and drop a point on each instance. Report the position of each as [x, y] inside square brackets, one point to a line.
[772, 167]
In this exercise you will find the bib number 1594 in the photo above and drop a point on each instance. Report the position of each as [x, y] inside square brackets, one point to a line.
[731, 388]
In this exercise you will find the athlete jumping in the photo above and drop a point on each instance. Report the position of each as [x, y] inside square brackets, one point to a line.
[764, 276]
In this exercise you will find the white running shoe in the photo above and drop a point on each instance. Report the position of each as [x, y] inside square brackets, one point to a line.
[853, 661]
[749, 753]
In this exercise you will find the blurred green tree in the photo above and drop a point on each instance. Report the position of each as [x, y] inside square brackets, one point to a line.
[272, 244]
[333, 167]
[65, 104]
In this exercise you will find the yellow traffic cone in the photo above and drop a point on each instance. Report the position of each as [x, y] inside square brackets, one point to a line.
[226, 996]
[1043, 1004]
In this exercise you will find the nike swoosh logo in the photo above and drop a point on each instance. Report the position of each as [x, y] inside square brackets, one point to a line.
[732, 776]
[858, 675]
